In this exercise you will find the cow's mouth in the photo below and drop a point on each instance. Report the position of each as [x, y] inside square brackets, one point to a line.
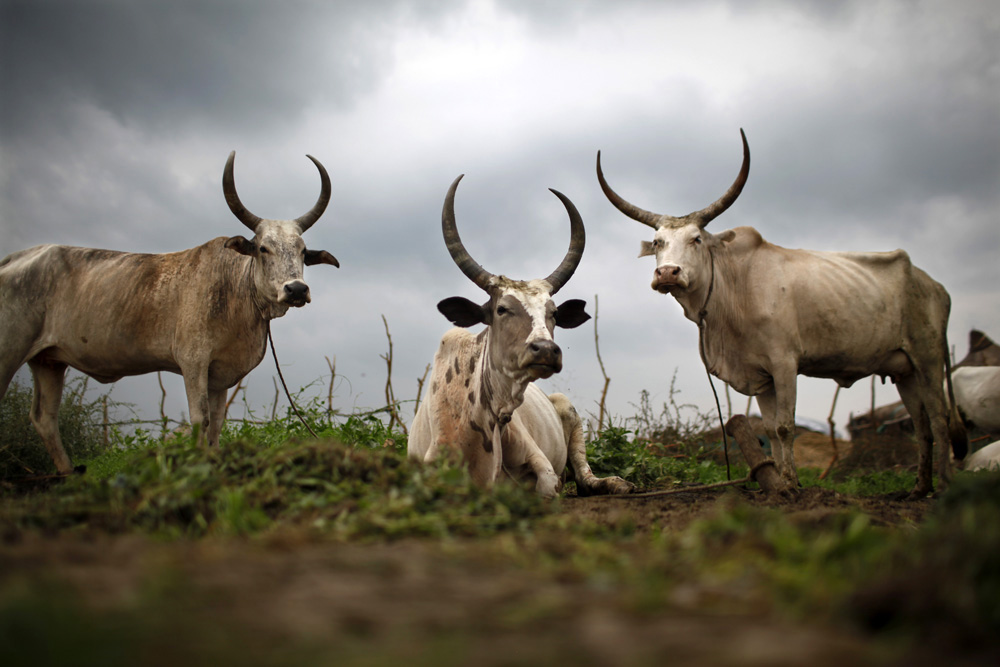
[544, 370]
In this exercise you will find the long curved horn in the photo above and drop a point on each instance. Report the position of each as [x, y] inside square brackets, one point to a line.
[577, 241]
[235, 205]
[469, 266]
[631, 210]
[707, 214]
[306, 221]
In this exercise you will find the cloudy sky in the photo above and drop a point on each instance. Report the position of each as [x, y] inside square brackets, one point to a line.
[873, 125]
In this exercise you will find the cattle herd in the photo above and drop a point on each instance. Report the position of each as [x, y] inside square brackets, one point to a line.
[764, 314]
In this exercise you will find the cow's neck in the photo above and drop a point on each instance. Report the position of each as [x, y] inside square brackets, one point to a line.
[718, 309]
[499, 393]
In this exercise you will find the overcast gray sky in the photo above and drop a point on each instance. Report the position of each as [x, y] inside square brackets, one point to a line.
[873, 125]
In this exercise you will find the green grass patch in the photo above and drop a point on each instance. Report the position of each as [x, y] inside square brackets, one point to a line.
[241, 488]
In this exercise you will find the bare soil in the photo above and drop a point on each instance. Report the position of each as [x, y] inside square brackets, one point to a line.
[432, 602]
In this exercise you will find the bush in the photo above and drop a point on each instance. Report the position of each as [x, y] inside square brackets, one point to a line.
[21, 450]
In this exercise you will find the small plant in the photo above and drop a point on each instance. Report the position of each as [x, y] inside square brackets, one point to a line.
[22, 453]
[680, 428]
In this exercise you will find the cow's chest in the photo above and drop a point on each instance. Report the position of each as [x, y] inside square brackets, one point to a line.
[230, 363]
[738, 367]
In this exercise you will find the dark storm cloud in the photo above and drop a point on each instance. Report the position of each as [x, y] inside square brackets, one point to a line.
[871, 126]
[189, 62]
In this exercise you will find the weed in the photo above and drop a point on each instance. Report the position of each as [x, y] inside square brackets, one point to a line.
[21, 450]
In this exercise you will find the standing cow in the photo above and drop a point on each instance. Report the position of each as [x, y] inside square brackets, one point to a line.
[482, 402]
[202, 312]
[766, 314]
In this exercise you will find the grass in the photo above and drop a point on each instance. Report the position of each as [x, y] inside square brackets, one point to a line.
[937, 580]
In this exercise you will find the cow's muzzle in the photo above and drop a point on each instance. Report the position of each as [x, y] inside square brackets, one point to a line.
[295, 293]
[544, 358]
[668, 277]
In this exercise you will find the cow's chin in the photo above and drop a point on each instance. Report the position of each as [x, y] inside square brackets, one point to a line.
[675, 287]
[293, 303]
[541, 371]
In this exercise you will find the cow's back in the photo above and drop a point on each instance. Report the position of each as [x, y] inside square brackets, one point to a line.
[852, 314]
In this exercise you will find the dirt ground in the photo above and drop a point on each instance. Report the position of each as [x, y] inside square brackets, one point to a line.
[429, 602]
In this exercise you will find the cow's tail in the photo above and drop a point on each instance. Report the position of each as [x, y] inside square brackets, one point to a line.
[956, 427]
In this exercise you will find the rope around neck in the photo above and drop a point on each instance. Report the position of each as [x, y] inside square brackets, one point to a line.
[704, 360]
[282, 378]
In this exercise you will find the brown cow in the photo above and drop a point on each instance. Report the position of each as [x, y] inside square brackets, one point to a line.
[201, 312]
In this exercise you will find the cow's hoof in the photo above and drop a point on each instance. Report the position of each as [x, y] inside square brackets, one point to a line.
[616, 486]
[605, 486]
[548, 487]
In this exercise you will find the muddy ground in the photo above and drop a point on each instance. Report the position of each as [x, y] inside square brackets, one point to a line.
[291, 599]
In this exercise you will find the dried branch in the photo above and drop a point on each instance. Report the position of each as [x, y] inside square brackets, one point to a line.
[604, 392]
[163, 400]
[390, 397]
[833, 439]
[420, 387]
[274, 408]
[232, 397]
[333, 374]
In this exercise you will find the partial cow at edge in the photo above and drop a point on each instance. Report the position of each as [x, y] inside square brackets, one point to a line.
[202, 313]
[767, 314]
[482, 403]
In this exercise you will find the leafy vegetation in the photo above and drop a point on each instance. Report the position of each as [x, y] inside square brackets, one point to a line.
[240, 488]
[21, 450]
[271, 482]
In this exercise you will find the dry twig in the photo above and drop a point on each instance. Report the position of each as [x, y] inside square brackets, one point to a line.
[390, 397]
[604, 392]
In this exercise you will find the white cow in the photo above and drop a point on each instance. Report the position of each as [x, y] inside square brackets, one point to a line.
[201, 312]
[986, 458]
[977, 393]
[482, 403]
[767, 314]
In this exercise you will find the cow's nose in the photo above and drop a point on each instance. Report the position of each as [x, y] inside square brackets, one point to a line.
[545, 349]
[667, 271]
[297, 291]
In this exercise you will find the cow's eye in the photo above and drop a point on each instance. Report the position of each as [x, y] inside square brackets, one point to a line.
[264, 250]
[696, 240]
[501, 310]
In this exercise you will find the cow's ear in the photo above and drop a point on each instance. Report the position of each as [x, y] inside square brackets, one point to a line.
[646, 248]
[570, 314]
[314, 257]
[240, 245]
[461, 312]
[726, 236]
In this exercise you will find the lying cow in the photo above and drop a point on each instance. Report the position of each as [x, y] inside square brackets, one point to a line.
[982, 351]
[201, 312]
[987, 458]
[766, 314]
[977, 394]
[482, 402]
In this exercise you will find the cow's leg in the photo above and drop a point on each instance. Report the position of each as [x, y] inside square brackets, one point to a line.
[930, 423]
[777, 410]
[910, 393]
[49, 379]
[548, 484]
[217, 415]
[587, 484]
[199, 408]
